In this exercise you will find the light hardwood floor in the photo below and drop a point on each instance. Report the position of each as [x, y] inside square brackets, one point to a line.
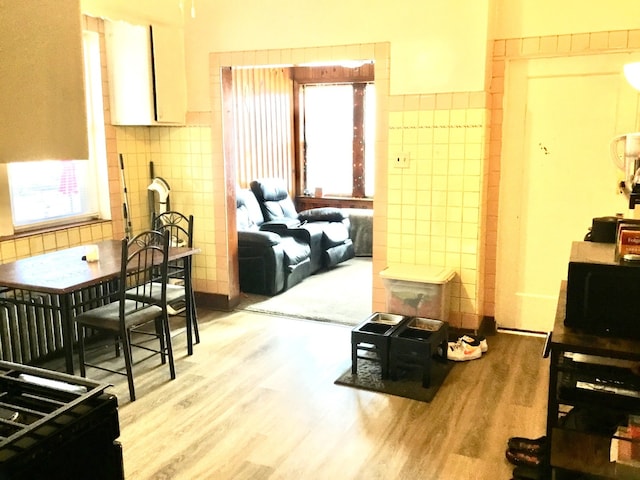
[257, 401]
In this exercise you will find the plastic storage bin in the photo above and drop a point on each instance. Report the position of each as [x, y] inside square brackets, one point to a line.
[418, 291]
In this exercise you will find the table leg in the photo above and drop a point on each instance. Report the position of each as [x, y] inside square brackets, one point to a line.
[66, 312]
[190, 309]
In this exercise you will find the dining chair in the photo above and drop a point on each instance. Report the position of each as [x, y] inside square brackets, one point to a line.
[135, 322]
[180, 296]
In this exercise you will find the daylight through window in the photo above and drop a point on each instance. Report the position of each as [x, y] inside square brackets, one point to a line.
[339, 136]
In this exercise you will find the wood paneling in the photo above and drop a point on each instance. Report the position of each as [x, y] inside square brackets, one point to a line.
[334, 74]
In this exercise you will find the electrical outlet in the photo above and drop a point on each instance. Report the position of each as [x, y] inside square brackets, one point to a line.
[401, 160]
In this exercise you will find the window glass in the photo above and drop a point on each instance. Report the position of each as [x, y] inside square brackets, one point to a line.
[369, 139]
[56, 191]
[328, 129]
[49, 190]
[329, 138]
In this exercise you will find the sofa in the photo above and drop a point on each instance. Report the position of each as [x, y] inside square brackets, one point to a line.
[325, 230]
[269, 263]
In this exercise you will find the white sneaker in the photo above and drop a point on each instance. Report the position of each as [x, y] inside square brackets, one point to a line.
[475, 341]
[461, 351]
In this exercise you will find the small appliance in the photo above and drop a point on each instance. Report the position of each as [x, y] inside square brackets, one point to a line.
[625, 153]
[603, 229]
[602, 293]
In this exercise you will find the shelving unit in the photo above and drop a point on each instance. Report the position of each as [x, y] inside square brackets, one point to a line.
[592, 392]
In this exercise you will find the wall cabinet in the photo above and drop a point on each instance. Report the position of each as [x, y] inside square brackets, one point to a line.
[146, 69]
[594, 396]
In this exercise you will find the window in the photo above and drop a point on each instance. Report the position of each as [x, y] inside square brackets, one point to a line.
[57, 192]
[339, 138]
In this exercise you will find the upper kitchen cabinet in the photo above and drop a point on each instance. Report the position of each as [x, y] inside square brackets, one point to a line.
[42, 95]
[147, 79]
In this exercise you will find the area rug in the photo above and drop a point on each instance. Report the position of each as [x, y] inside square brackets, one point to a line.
[408, 384]
[340, 295]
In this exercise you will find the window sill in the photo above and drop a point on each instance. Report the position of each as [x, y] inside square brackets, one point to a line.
[50, 229]
[305, 203]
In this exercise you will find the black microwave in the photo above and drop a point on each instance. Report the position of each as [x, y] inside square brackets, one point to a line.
[603, 295]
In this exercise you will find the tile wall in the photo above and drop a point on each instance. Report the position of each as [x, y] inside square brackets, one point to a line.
[181, 156]
[435, 205]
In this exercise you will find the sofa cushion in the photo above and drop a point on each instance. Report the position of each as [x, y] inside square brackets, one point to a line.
[334, 233]
[294, 250]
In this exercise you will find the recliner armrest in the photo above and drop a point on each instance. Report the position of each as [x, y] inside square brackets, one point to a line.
[280, 224]
[258, 238]
[322, 214]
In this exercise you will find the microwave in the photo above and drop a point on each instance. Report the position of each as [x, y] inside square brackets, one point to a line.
[603, 295]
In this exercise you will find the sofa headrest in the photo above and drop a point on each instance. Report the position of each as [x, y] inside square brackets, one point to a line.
[270, 189]
[248, 213]
[274, 198]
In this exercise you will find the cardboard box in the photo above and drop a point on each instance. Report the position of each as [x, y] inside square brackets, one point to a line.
[627, 239]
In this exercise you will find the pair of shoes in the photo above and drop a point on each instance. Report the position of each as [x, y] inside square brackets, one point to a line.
[461, 351]
[523, 459]
[527, 445]
[475, 340]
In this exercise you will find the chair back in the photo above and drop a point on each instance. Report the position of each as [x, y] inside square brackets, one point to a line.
[179, 226]
[143, 273]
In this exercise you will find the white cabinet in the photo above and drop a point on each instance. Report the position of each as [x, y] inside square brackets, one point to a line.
[169, 74]
[147, 80]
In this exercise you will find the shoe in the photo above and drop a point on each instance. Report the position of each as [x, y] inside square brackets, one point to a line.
[527, 445]
[461, 351]
[523, 459]
[475, 340]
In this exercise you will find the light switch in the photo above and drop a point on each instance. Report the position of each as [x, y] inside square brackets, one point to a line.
[401, 160]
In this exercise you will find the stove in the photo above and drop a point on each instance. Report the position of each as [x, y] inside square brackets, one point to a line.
[56, 426]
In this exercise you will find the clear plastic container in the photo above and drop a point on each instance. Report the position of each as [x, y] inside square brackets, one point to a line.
[418, 291]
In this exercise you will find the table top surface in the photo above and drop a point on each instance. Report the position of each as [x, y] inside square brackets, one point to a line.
[65, 271]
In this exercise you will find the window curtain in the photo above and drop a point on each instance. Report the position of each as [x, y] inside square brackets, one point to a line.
[263, 121]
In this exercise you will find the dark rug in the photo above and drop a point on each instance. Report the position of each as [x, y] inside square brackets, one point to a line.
[408, 384]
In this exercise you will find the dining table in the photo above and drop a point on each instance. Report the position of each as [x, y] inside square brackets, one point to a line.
[65, 274]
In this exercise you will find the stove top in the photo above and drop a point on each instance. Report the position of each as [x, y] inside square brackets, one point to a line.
[47, 418]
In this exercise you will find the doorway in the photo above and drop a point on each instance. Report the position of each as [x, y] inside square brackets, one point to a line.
[556, 175]
[243, 98]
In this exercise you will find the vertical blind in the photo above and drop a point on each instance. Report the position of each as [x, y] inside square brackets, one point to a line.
[263, 117]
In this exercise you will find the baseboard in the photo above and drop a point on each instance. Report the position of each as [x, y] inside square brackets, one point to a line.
[216, 301]
[487, 328]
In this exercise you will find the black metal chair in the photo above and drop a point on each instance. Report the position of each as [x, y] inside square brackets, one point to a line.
[143, 274]
[180, 296]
